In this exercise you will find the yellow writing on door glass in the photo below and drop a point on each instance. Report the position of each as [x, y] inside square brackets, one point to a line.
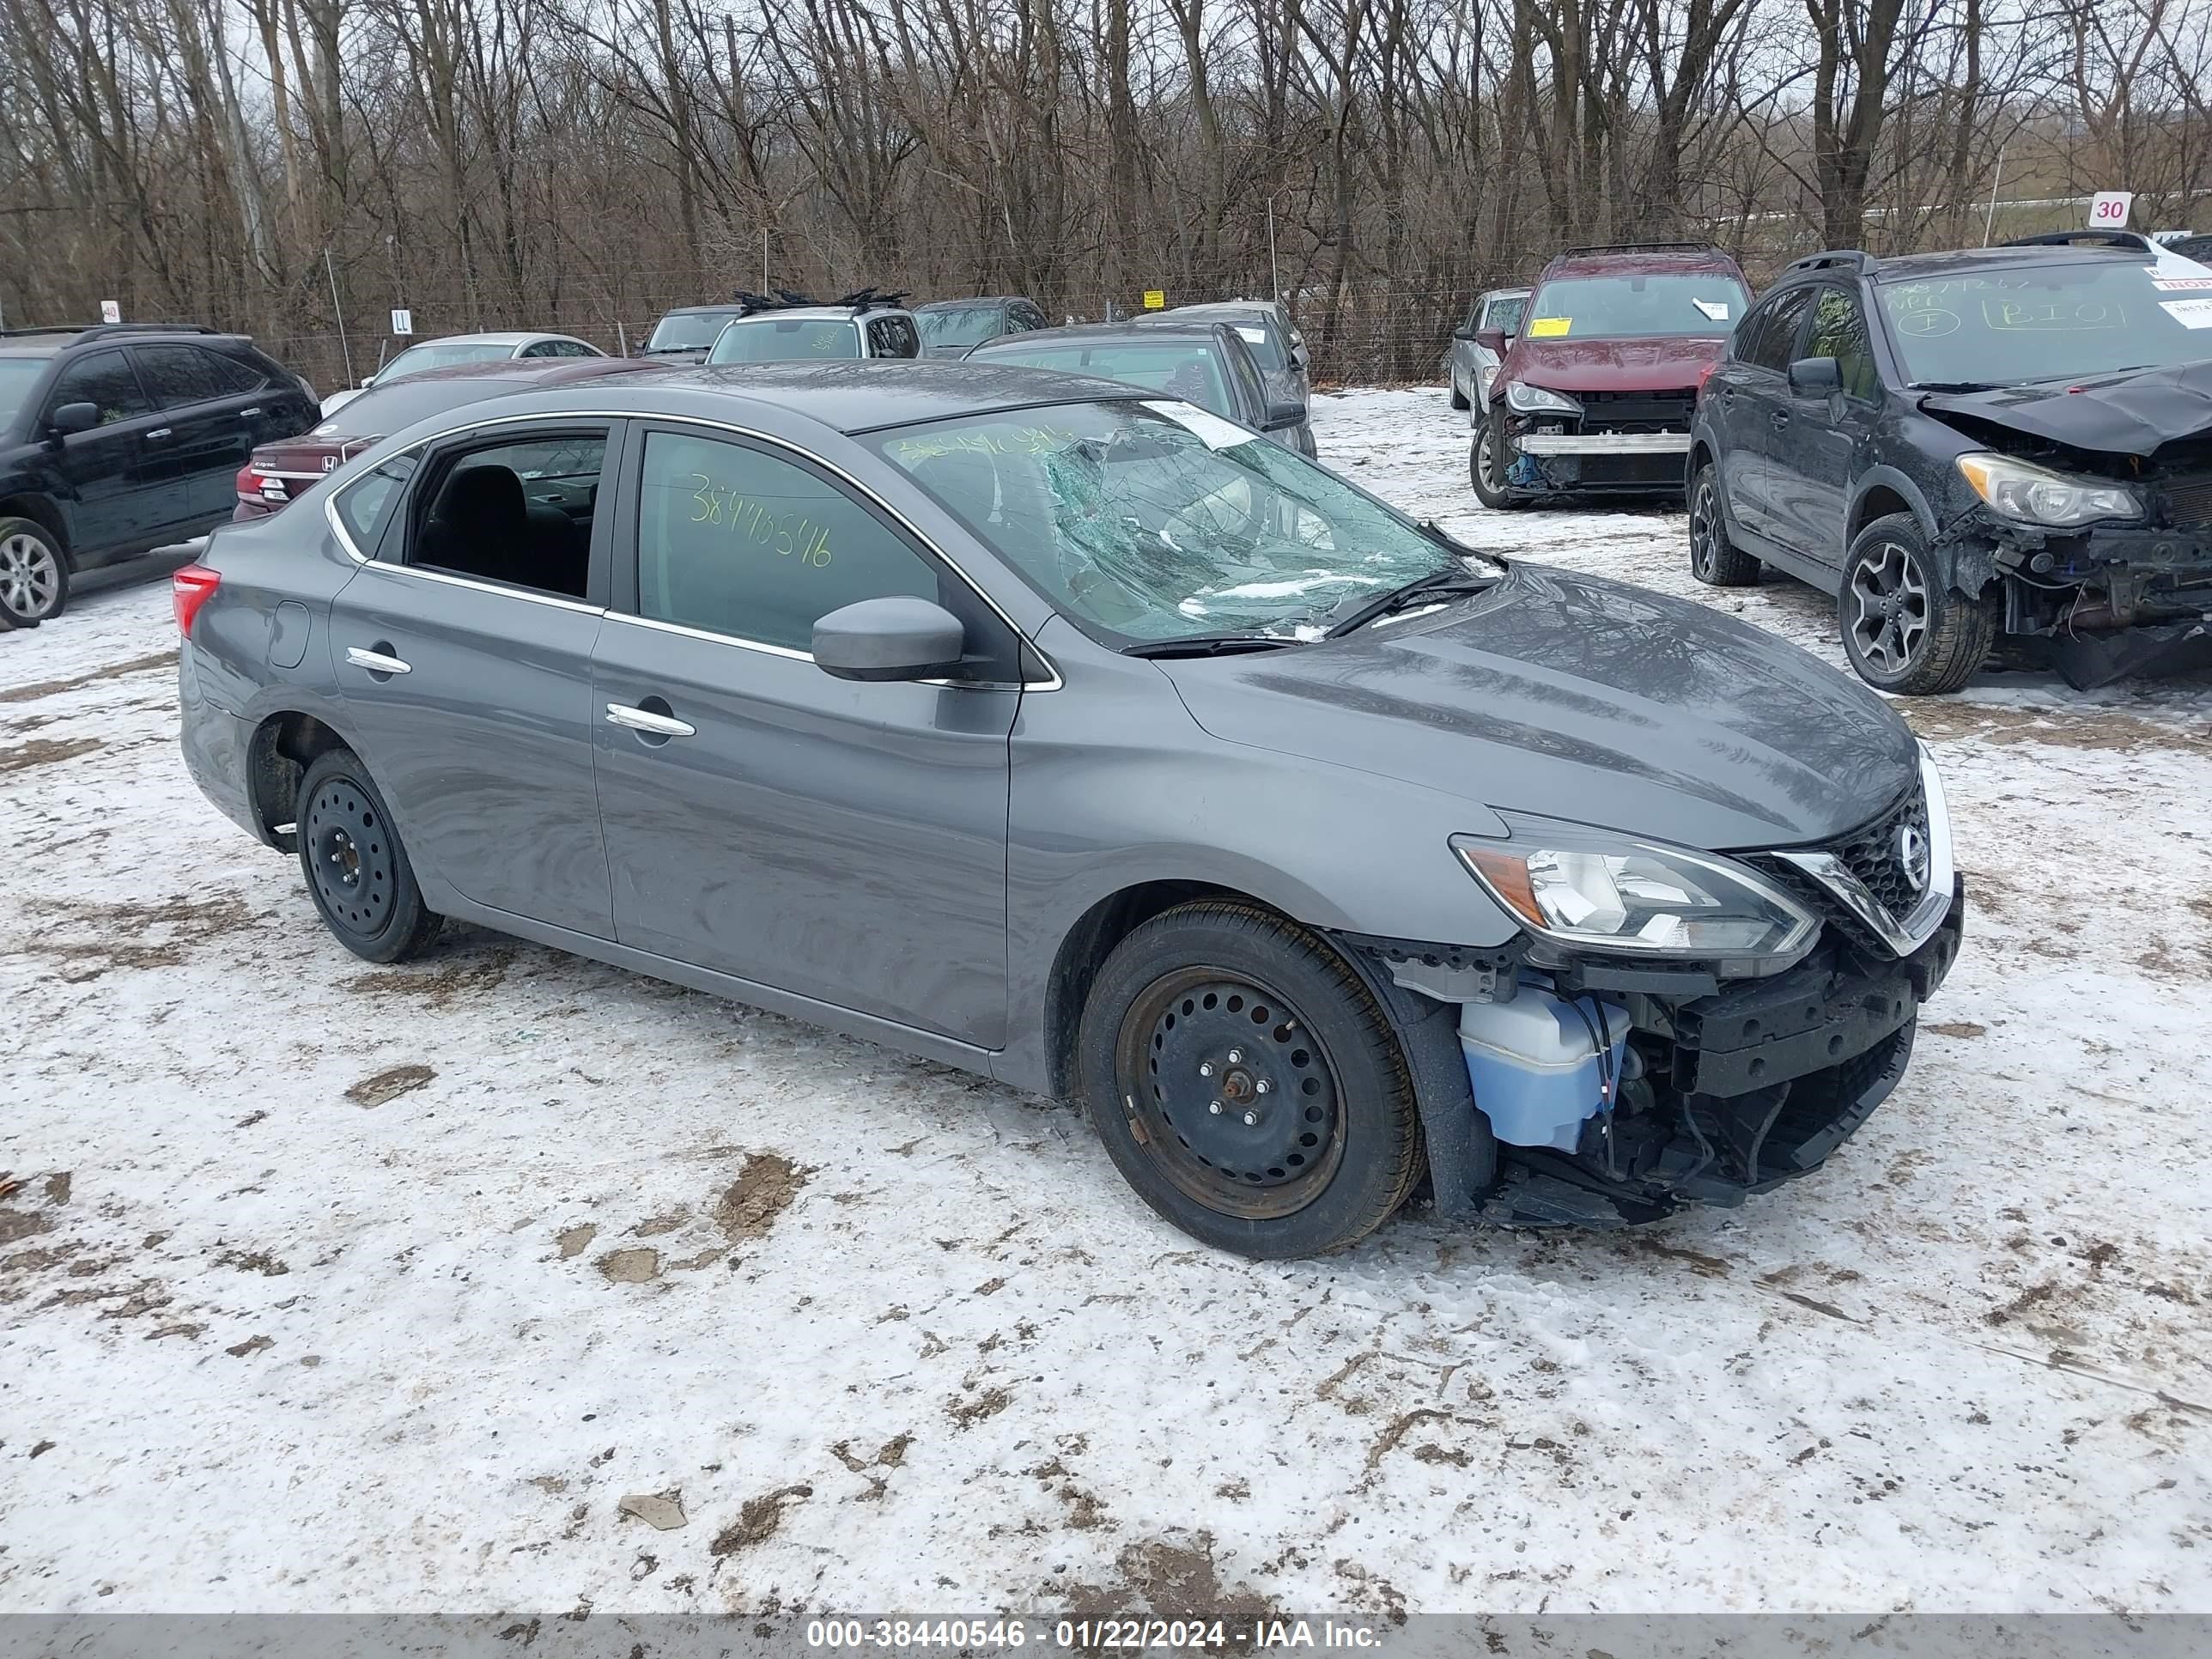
[1017, 440]
[793, 535]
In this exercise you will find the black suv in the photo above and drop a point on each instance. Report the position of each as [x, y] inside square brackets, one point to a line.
[122, 437]
[2013, 440]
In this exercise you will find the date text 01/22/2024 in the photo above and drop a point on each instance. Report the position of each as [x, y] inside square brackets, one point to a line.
[1092, 1635]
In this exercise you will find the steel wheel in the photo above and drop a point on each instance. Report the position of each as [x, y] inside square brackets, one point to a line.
[350, 857]
[1233, 1098]
[30, 576]
[1889, 608]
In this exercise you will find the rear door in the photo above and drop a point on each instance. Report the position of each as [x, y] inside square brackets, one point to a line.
[844, 842]
[101, 473]
[1810, 472]
[1751, 390]
[464, 652]
[204, 437]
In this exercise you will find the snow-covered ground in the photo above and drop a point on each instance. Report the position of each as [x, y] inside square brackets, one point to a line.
[510, 1282]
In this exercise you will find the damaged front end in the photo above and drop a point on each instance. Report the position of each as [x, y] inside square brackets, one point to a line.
[2104, 555]
[1619, 1090]
[1592, 442]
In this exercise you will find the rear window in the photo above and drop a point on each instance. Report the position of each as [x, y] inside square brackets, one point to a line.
[440, 353]
[384, 410]
[1266, 349]
[785, 340]
[1636, 305]
[963, 325]
[1189, 372]
[687, 331]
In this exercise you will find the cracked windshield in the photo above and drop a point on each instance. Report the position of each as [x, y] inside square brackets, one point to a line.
[1154, 523]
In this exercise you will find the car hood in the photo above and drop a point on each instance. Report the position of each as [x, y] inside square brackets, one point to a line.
[2134, 414]
[1583, 700]
[1661, 365]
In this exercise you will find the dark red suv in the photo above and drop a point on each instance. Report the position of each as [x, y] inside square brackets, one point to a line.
[1596, 393]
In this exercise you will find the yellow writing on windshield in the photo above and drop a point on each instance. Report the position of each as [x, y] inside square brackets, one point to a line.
[2063, 317]
[793, 535]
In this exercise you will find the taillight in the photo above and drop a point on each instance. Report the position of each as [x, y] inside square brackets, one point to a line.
[189, 589]
[258, 487]
[1706, 375]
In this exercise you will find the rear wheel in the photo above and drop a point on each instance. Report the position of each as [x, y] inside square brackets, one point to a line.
[35, 572]
[1715, 560]
[357, 871]
[1903, 631]
[1247, 1085]
[1487, 461]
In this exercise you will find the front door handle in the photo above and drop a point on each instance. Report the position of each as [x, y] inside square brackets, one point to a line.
[159, 433]
[247, 414]
[644, 720]
[1781, 419]
[377, 662]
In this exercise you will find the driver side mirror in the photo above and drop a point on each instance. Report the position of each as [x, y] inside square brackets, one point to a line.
[366, 381]
[74, 417]
[1281, 414]
[1492, 339]
[1815, 377]
[896, 638]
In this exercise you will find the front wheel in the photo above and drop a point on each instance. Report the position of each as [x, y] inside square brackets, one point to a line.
[35, 572]
[1486, 462]
[1247, 1085]
[1902, 629]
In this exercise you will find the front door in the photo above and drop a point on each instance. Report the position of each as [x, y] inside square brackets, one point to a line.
[101, 473]
[1810, 472]
[464, 652]
[1752, 389]
[844, 842]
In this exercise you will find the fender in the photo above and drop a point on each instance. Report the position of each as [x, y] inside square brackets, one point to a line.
[1891, 480]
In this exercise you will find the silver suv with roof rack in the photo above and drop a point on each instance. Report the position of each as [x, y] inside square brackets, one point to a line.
[789, 328]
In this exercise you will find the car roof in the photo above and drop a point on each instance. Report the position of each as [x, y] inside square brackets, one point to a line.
[1083, 333]
[833, 313]
[978, 300]
[492, 336]
[528, 370]
[1222, 308]
[730, 306]
[1506, 293]
[44, 341]
[853, 395]
[1687, 258]
[1923, 267]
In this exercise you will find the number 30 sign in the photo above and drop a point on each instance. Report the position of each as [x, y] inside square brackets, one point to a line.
[2108, 209]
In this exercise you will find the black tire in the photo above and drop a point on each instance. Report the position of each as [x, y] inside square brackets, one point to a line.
[35, 572]
[1458, 398]
[1714, 559]
[1332, 1144]
[357, 871]
[1486, 462]
[1902, 629]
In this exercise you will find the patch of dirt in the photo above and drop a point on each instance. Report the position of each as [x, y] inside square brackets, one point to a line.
[1957, 1028]
[57, 1187]
[762, 1191]
[2089, 727]
[45, 751]
[389, 1084]
[653, 1227]
[1168, 1579]
[252, 1261]
[132, 935]
[22, 1224]
[1706, 1266]
[252, 1345]
[631, 1266]
[38, 688]
[966, 1413]
[572, 1241]
[758, 1520]
[467, 976]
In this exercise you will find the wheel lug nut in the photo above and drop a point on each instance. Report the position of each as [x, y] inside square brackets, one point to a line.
[1206, 1068]
[1215, 1108]
[1263, 1086]
[1236, 1056]
[1250, 1119]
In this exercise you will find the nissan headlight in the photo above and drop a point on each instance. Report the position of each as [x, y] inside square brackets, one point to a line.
[1595, 890]
[1535, 400]
[2035, 494]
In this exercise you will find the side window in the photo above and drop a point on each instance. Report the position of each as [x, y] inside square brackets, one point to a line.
[893, 337]
[363, 505]
[231, 376]
[104, 379]
[178, 375]
[518, 512]
[1768, 339]
[1839, 332]
[1246, 373]
[738, 541]
[543, 349]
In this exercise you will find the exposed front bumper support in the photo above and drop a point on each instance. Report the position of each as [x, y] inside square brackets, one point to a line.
[1603, 443]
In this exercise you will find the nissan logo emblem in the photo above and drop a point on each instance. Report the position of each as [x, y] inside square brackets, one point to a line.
[1912, 856]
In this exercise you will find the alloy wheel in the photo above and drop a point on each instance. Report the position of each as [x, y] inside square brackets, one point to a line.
[1229, 1093]
[1704, 529]
[1889, 608]
[30, 576]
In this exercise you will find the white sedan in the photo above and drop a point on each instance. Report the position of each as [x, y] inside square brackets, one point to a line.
[465, 348]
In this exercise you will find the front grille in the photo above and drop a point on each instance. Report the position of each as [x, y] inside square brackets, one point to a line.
[2188, 501]
[1870, 853]
[1637, 411]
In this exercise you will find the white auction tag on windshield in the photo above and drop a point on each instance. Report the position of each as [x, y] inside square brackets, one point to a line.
[2190, 313]
[1209, 429]
[1715, 310]
[2181, 284]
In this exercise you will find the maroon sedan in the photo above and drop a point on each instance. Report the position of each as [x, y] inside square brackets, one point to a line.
[278, 472]
[1596, 393]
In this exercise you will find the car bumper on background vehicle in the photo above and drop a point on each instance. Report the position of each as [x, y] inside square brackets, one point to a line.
[1622, 445]
[2111, 601]
[1606, 443]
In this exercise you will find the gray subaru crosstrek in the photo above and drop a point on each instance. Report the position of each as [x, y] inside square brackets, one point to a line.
[1070, 735]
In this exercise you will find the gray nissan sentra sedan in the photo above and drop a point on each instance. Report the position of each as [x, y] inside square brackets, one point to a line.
[1070, 735]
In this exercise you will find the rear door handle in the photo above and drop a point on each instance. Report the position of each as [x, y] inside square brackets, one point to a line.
[377, 662]
[1781, 418]
[159, 433]
[247, 414]
[644, 720]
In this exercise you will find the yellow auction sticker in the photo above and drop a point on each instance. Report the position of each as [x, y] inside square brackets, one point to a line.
[1549, 328]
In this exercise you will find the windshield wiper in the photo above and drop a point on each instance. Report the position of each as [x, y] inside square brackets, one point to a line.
[1438, 584]
[1206, 645]
[1959, 385]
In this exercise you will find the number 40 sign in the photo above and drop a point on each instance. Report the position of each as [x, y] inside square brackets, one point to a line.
[2108, 209]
